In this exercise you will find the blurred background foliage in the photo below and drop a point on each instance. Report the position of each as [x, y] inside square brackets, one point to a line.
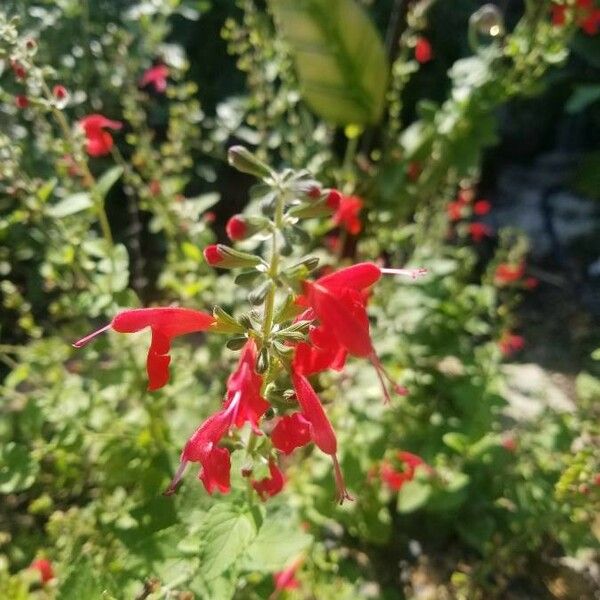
[510, 509]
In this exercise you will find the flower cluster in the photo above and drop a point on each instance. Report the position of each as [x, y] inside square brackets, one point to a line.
[307, 325]
[465, 208]
[584, 13]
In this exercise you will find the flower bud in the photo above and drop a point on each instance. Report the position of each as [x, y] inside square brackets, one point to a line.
[240, 227]
[318, 208]
[224, 257]
[243, 160]
[21, 101]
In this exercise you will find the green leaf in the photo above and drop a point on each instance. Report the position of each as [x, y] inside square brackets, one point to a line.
[339, 56]
[276, 544]
[71, 205]
[226, 533]
[81, 583]
[43, 193]
[107, 180]
[17, 469]
[412, 496]
[457, 441]
[204, 201]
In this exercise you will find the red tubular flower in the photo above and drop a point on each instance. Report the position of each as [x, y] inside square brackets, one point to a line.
[21, 101]
[507, 273]
[454, 210]
[511, 343]
[347, 214]
[334, 199]
[166, 323]
[270, 486]
[559, 14]
[157, 77]
[339, 302]
[322, 352]
[482, 207]
[590, 22]
[202, 448]
[321, 430]
[291, 432]
[395, 479]
[243, 388]
[478, 231]
[236, 228]
[423, 51]
[286, 579]
[98, 141]
[414, 170]
[212, 255]
[45, 569]
[18, 69]
[59, 92]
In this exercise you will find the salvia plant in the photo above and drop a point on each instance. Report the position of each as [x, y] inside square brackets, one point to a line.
[307, 325]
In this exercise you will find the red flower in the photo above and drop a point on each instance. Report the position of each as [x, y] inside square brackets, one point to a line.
[423, 51]
[286, 579]
[243, 388]
[559, 14]
[44, 567]
[531, 283]
[413, 170]
[590, 23]
[18, 69]
[98, 141]
[243, 404]
[482, 207]
[321, 430]
[236, 228]
[212, 255]
[454, 210]
[321, 352]
[339, 302]
[510, 343]
[21, 101]
[507, 273]
[395, 479]
[478, 231]
[509, 443]
[166, 323]
[156, 76]
[334, 199]
[291, 432]
[270, 486]
[215, 462]
[347, 213]
[60, 92]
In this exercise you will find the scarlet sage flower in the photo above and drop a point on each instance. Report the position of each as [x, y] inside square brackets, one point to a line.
[98, 141]
[454, 210]
[270, 486]
[347, 214]
[243, 387]
[339, 301]
[508, 273]
[482, 207]
[479, 231]
[166, 323]
[423, 51]
[236, 228]
[395, 479]
[321, 430]
[21, 101]
[511, 343]
[157, 77]
[286, 579]
[291, 432]
[320, 353]
[243, 404]
[45, 569]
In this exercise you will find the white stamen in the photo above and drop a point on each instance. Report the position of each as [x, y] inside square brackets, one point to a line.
[412, 273]
[88, 338]
[176, 479]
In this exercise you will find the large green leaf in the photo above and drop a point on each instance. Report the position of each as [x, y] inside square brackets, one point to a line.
[71, 205]
[17, 469]
[339, 56]
[226, 533]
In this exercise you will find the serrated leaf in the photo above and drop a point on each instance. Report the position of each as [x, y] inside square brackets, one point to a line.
[274, 547]
[107, 180]
[413, 496]
[71, 205]
[226, 533]
[339, 57]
